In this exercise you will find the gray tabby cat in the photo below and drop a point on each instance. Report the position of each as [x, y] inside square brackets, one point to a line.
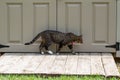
[48, 37]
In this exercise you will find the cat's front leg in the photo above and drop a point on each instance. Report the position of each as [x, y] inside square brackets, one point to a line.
[59, 48]
[76, 53]
[70, 46]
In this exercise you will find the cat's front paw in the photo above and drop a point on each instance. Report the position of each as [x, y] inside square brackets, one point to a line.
[57, 53]
[75, 53]
[50, 52]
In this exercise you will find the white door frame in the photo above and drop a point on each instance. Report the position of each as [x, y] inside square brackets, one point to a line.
[118, 26]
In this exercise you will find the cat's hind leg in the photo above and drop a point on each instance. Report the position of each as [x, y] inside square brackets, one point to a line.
[46, 47]
[49, 51]
[41, 47]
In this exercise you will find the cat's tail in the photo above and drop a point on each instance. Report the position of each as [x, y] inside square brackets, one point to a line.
[34, 39]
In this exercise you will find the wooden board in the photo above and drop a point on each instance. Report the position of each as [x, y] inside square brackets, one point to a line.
[71, 64]
[19, 66]
[58, 66]
[81, 64]
[46, 65]
[34, 64]
[96, 64]
[8, 60]
[110, 67]
[84, 64]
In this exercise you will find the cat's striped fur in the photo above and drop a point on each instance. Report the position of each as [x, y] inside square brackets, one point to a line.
[48, 37]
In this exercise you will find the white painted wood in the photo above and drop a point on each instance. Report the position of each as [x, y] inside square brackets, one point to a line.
[71, 64]
[98, 24]
[84, 61]
[46, 65]
[97, 67]
[69, 17]
[118, 26]
[14, 22]
[21, 20]
[58, 66]
[110, 67]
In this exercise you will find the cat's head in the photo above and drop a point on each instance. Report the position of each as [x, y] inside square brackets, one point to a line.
[79, 39]
[75, 38]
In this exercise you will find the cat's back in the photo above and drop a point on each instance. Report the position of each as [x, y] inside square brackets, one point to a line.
[51, 32]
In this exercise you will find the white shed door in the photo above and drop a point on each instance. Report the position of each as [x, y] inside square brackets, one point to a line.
[21, 20]
[94, 19]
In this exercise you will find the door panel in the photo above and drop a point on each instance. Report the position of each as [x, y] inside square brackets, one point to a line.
[41, 17]
[73, 17]
[14, 23]
[21, 20]
[69, 16]
[100, 22]
[94, 19]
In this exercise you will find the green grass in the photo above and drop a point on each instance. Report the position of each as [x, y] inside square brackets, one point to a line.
[37, 77]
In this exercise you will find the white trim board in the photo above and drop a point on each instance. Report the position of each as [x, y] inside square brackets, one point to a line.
[118, 25]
